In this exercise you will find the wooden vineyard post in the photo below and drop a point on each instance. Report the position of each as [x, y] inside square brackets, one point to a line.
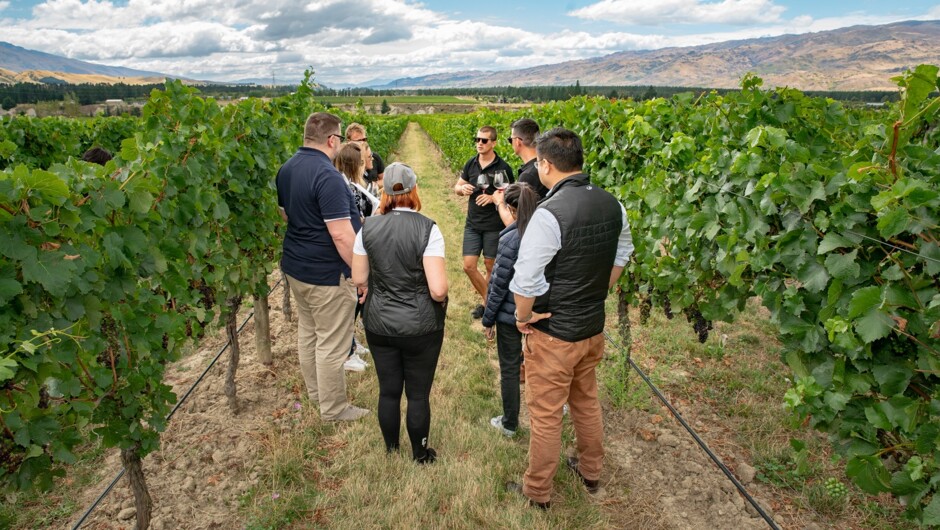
[623, 321]
[231, 329]
[285, 305]
[263, 330]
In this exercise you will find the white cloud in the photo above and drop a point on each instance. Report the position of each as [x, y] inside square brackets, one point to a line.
[4, 5]
[658, 13]
[227, 40]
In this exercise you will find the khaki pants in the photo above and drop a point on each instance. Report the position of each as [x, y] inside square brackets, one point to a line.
[557, 372]
[324, 331]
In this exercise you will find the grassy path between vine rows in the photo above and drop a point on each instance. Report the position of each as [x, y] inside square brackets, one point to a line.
[464, 489]
[730, 388]
[276, 465]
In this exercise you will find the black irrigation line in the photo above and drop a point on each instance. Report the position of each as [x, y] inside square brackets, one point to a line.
[737, 484]
[172, 412]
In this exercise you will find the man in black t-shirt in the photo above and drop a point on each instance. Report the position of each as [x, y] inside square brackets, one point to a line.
[522, 139]
[481, 232]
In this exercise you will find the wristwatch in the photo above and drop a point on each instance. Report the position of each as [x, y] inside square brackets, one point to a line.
[521, 320]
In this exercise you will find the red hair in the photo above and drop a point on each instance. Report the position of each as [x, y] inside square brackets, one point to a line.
[406, 200]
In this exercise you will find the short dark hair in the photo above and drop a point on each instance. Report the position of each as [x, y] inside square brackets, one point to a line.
[489, 130]
[97, 155]
[526, 130]
[562, 148]
[319, 127]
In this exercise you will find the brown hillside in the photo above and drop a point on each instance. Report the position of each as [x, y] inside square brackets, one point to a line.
[45, 76]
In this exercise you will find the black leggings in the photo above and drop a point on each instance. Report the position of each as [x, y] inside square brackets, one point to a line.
[352, 349]
[405, 363]
[509, 350]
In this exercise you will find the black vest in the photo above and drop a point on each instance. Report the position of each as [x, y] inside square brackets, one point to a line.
[399, 302]
[590, 220]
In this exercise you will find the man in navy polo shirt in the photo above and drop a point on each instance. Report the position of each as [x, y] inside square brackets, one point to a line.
[322, 221]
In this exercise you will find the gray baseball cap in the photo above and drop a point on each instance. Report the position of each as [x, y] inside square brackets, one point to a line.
[397, 173]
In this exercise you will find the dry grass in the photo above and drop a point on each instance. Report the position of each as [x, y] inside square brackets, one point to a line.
[730, 388]
[465, 488]
[323, 475]
[733, 385]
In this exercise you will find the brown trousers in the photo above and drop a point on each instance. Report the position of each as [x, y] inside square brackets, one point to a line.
[557, 372]
[324, 330]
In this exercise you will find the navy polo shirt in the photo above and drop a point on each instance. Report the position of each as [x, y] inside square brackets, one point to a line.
[312, 192]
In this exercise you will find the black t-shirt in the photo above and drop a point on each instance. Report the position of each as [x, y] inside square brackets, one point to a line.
[529, 174]
[378, 166]
[484, 218]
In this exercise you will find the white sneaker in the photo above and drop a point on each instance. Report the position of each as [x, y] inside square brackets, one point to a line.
[362, 350]
[355, 364]
[497, 423]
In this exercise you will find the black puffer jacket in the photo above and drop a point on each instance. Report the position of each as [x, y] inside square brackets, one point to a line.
[500, 304]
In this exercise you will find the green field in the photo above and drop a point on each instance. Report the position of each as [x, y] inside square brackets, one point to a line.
[396, 100]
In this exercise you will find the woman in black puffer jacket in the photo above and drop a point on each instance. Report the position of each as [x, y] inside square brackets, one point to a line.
[521, 200]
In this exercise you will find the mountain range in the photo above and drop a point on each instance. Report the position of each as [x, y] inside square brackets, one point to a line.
[853, 58]
[20, 65]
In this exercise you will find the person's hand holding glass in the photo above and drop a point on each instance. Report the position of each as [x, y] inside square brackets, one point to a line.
[483, 183]
[500, 180]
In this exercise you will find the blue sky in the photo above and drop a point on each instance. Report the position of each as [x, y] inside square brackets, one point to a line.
[354, 41]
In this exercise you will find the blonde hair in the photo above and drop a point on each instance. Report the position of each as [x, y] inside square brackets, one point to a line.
[355, 127]
[349, 162]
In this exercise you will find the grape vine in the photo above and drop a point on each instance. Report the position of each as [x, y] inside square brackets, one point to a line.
[828, 214]
[133, 259]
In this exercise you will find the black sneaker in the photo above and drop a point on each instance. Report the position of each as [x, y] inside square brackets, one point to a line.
[429, 457]
[477, 312]
[593, 486]
[515, 487]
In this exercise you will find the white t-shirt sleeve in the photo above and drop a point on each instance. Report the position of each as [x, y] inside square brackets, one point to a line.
[435, 246]
[358, 247]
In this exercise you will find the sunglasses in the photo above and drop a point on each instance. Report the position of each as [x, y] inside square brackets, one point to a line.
[510, 139]
[483, 141]
[340, 136]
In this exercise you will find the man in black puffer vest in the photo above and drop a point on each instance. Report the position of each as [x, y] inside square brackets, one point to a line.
[574, 249]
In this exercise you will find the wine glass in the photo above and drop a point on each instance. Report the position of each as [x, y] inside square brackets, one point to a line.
[500, 181]
[483, 182]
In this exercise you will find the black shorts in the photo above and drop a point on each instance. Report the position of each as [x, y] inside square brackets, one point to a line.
[476, 240]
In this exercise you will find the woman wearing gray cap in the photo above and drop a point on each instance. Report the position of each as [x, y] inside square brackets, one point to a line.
[399, 256]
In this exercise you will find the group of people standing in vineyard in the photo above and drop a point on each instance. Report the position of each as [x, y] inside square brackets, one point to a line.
[552, 245]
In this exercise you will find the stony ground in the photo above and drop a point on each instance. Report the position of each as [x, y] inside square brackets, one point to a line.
[655, 476]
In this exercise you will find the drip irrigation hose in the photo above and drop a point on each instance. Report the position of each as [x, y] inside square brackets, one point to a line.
[737, 484]
[172, 412]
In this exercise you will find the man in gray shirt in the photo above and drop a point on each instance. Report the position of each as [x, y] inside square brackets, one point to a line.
[573, 250]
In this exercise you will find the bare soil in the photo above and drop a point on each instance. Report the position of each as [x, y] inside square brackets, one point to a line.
[655, 476]
[207, 457]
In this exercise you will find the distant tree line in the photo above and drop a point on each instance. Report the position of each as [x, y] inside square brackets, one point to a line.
[539, 94]
[88, 93]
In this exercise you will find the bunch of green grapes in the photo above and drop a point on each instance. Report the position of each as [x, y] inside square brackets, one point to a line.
[836, 488]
